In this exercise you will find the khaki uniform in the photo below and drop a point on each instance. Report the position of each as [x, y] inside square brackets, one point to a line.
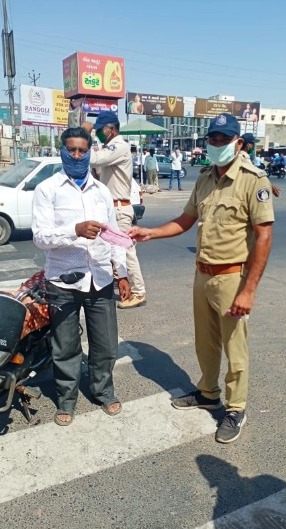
[227, 208]
[114, 165]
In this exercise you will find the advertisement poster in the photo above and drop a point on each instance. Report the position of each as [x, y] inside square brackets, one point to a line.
[94, 75]
[94, 106]
[43, 106]
[242, 110]
[154, 105]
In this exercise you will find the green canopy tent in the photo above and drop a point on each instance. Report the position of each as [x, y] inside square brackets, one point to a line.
[141, 127]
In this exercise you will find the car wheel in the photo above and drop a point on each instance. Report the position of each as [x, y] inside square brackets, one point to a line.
[183, 172]
[5, 231]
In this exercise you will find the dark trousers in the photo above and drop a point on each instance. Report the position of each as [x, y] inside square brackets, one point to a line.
[101, 325]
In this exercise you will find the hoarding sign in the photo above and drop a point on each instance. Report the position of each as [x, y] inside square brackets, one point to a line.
[95, 106]
[159, 105]
[94, 75]
[209, 108]
[43, 106]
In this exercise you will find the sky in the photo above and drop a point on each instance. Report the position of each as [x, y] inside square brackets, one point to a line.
[182, 47]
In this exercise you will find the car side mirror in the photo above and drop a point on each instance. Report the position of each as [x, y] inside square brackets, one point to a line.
[28, 186]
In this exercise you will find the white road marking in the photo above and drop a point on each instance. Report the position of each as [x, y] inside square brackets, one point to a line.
[8, 249]
[20, 264]
[269, 513]
[52, 455]
[127, 353]
[11, 285]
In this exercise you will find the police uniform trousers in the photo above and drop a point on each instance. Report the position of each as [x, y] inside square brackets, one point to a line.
[124, 217]
[214, 331]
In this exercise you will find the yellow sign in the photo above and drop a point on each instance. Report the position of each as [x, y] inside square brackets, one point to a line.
[61, 108]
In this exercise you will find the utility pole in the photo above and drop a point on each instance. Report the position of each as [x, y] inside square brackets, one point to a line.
[9, 72]
[34, 80]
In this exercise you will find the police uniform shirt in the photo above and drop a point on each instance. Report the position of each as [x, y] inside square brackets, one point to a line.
[114, 164]
[227, 208]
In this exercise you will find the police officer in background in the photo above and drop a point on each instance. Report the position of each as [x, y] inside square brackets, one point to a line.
[248, 152]
[232, 203]
[113, 164]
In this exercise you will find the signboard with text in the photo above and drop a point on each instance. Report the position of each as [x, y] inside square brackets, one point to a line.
[94, 75]
[43, 106]
[159, 105]
[242, 110]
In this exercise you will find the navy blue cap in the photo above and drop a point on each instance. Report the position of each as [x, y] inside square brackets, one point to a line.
[225, 124]
[249, 138]
[104, 118]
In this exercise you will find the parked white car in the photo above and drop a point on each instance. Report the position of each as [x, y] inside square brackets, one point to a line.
[17, 186]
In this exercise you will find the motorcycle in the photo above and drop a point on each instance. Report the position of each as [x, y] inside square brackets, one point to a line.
[24, 341]
[276, 170]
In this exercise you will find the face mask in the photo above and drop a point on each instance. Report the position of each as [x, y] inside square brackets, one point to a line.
[102, 137]
[76, 168]
[222, 156]
[250, 150]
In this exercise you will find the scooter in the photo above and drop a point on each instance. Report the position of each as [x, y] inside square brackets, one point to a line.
[24, 342]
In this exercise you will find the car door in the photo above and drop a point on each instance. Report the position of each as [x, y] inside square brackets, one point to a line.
[26, 193]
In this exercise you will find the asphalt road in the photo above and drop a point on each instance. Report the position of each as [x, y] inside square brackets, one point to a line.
[154, 467]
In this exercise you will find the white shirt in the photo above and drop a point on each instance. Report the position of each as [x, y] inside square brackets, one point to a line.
[176, 161]
[58, 205]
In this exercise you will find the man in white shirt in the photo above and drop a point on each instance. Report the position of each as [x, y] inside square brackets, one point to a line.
[176, 167]
[79, 274]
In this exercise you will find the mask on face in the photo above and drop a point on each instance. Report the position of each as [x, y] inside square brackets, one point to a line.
[250, 151]
[75, 168]
[102, 137]
[222, 156]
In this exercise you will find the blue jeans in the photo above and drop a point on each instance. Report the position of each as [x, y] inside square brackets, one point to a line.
[101, 325]
[175, 173]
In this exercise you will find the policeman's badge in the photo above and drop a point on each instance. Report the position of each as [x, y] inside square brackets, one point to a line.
[263, 194]
[112, 147]
[221, 120]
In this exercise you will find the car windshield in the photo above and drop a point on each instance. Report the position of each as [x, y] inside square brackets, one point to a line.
[17, 173]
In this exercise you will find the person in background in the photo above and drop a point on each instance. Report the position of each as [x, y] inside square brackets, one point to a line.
[248, 153]
[152, 169]
[114, 165]
[232, 203]
[176, 167]
[69, 209]
[143, 158]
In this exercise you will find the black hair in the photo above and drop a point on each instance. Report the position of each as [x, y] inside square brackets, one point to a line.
[76, 132]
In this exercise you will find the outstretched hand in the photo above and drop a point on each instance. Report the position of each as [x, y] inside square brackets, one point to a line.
[139, 234]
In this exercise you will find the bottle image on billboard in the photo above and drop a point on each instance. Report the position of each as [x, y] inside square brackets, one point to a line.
[74, 74]
[112, 79]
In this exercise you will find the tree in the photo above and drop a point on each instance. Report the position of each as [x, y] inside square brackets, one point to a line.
[44, 140]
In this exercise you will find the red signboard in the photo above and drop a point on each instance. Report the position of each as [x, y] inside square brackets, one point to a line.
[94, 75]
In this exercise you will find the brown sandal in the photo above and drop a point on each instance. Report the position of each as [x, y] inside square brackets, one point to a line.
[59, 421]
[107, 408]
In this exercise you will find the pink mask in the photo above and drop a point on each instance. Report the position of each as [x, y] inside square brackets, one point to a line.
[117, 237]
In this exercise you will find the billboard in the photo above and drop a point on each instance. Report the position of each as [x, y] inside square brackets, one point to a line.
[242, 110]
[43, 106]
[94, 105]
[159, 105]
[94, 75]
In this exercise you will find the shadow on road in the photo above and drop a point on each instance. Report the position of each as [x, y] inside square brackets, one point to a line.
[158, 366]
[235, 492]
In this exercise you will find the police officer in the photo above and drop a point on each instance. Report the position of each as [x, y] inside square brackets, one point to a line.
[232, 203]
[113, 163]
[248, 152]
